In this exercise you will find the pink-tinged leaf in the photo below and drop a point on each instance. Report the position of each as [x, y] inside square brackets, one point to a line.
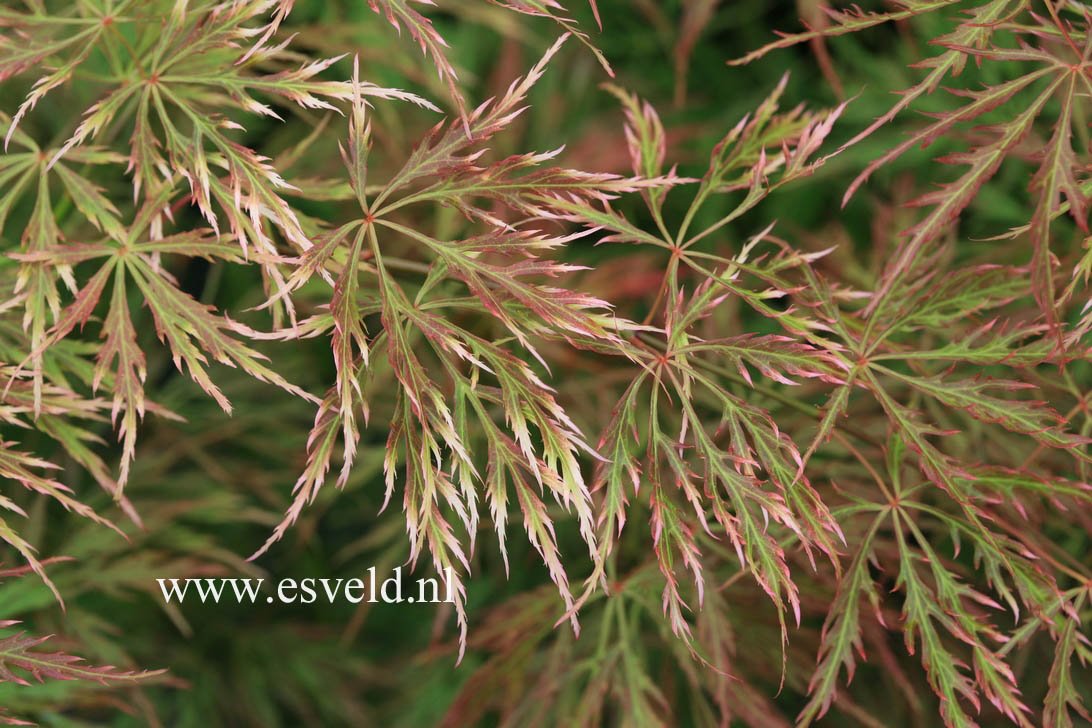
[841, 633]
[1063, 695]
[975, 396]
[350, 346]
[128, 383]
[622, 470]
[974, 32]
[6, 719]
[442, 151]
[1056, 178]
[842, 22]
[776, 358]
[546, 8]
[28, 52]
[982, 101]
[540, 530]
[645, 138]
[18, 657]
[191, 330]
[320, 451]
[498, 286]
[950, 199]
[673, 538]
[22, 468]
[399, 13]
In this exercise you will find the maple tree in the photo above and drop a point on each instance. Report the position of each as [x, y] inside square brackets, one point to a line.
[777, 463]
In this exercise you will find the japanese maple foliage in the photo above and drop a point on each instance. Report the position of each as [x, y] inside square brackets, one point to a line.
[780, 461]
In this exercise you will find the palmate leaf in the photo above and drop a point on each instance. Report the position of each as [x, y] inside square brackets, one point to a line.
[510, 459]
[933, 608]
[189, 328]
[434, 322]
[37, 279]
[193, 70]
[740, 502]
[532, 414]
[762, 152]
[431, 435]
[929, 301]
[753, 484]
[1001, 560]
[1054, 187]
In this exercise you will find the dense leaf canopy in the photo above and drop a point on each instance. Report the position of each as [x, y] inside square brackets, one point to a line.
[689, 443]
